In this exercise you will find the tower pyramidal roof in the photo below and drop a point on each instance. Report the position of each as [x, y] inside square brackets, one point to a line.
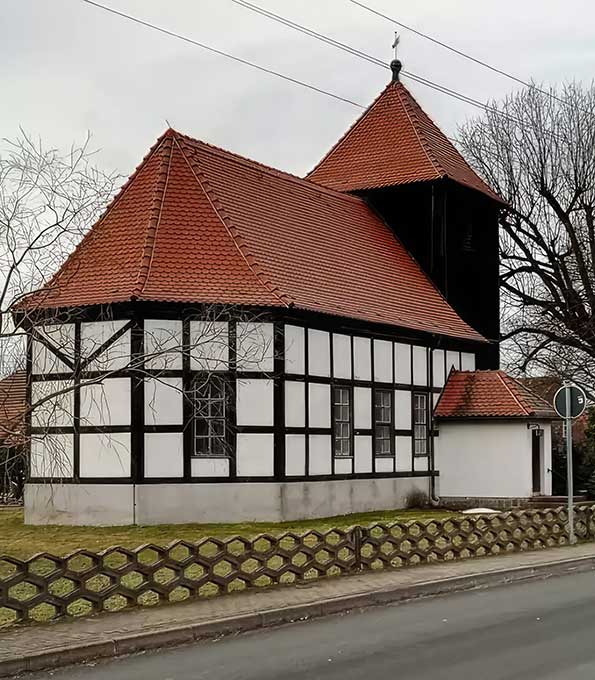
[394, 142]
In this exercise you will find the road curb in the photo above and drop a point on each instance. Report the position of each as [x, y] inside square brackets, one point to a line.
[179, 635]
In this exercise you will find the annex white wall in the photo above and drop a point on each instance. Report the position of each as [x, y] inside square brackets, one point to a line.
[489, 459]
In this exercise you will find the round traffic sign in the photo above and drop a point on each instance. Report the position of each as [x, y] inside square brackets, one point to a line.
[578, 401]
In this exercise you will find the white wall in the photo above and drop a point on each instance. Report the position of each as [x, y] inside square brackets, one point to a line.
[52, 455]
[254, 455]
[106, 403]
[164, 454]
[295, 357]
[254, 401]
[488, 459]
[163, 343]
[164, 401]
[57, 411]
[94, 334]
[209, 345]
[319, 353]
[59, 336]
[255, 347]
[105, 455]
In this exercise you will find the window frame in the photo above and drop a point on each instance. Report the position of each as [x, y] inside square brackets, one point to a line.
[199, 383]
[390, 424]
[349, 422]
[415, 424]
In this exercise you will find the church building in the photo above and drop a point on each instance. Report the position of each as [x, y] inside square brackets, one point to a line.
[230, 342]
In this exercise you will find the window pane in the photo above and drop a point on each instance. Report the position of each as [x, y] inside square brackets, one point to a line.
[209, 417]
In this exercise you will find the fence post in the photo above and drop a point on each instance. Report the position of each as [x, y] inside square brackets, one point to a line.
[356, 537]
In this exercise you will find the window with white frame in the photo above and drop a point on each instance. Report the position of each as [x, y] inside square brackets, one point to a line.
[383, 421]
[209, 416]
[420, 424]
[342, 420]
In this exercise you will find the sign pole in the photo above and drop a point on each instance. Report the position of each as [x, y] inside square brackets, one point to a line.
[569, 471]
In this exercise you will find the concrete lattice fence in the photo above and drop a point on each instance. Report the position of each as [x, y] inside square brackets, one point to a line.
[47, 587]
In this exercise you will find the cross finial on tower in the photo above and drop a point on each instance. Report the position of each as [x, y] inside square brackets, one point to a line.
[396, 44]
[395, 64]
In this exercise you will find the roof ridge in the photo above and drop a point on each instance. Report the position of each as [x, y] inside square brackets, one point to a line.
[257, 165]
[422, 141]
[502, 375]
[155, 219]
[90, 232]
[233, 232]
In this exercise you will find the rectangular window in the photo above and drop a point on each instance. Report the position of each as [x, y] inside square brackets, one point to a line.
[342, 420]
[209, 417]
[383, 422]
[420, 424]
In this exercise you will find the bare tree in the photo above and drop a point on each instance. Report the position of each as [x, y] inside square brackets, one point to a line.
[537, 149]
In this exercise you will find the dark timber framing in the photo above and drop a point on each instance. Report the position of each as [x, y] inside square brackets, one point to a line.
[135, 314]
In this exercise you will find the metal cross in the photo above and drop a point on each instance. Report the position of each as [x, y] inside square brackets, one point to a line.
[396, 43]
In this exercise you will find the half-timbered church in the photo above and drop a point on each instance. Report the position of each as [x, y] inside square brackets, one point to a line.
[231, 342]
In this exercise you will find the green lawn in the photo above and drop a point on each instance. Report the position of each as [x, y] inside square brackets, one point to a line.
[22, 541]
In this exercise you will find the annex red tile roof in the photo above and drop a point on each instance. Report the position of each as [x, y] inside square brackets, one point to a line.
[489, 394]
[198, 224]
[13, 400]
[394, 142]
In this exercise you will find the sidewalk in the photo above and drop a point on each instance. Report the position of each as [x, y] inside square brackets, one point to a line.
[29, 648]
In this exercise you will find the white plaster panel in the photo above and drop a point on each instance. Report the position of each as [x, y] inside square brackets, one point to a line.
[254, 455]
[420, 365]
[402, 410]
[319, 353]
[295, 353]
[60, 336]
[209, 345]
[343, 466]
[106, 403]
[435, 398]
[404, 453]
[164, 454]
[320, 455]
[209, 467]
[363, 454]
[402, 363]
[383, 361]
[163, 344]
[467, 361]
[422, 463]
[341, 356]
[385, 465]
[56, 411]
[362, 359]
[319, 406]
[105, 455]
[52, 455]
[452, 359]
[295, 455]
[438, 367]
[255, 348]
[362, 408]
[295, 403]
[254, 402]
[164, 401]
[94, 334]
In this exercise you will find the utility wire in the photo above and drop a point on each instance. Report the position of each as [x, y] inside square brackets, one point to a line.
[470, 57]
[221, 53]
[374, 60]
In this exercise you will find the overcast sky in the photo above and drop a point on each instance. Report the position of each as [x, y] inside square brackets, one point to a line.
[67, 67]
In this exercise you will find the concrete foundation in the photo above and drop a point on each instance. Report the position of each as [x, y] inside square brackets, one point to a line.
[107, 504]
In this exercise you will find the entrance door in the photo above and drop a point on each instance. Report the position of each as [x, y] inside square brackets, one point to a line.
[536, 460]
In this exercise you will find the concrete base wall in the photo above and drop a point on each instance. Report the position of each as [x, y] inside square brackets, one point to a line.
[101, 505]
[79, 504]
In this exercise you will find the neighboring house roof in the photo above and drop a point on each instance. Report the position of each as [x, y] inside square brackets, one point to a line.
[196, 224]
[13, 400]
[394, 142]
[545, 386]
[489, 394]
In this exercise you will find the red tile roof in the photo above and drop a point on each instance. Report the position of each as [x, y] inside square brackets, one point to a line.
[489, 394]
[394, 142]
[13, 400]
[198, 224]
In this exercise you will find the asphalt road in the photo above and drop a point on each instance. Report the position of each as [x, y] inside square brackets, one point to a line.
[542, 629]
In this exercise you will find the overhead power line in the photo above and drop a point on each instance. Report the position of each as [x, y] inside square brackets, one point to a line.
[376, 61]
[465, 55]
[222, 53]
